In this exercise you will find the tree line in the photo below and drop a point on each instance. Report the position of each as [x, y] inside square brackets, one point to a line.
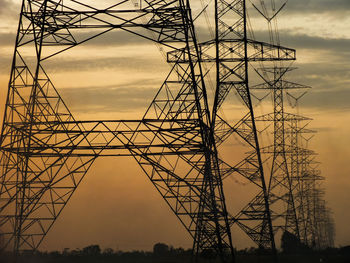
[292, 252]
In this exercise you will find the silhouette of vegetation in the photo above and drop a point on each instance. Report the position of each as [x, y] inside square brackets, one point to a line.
[291, 244]
[160, 249]
[163, 253]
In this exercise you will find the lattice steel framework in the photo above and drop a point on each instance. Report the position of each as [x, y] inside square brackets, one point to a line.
[45, 152]
[232, 51]
[295, 189]
[314, 217]
[282, 183]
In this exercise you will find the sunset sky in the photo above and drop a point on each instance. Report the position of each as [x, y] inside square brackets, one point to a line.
[116, 76]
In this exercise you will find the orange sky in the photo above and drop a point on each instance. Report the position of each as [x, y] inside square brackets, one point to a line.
[116, 206]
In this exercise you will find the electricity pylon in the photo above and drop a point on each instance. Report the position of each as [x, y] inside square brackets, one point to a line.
[295, 189]
[314, 217]
[46, 152]
[282, 183]
[233, 52]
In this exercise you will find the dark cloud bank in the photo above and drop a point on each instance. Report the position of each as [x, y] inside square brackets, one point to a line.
[333, 8]
[318, 6]
[330, 79]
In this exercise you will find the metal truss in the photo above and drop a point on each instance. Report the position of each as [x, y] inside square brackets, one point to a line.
[232, 51]
[295, 189]
[281, 183]
[314, 217]
[45, 152]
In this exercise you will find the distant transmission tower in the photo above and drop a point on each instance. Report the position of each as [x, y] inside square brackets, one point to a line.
[45, 152]
[295, 191]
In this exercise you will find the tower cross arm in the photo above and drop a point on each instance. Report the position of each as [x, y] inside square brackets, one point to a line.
[109, 138]
[230, 52]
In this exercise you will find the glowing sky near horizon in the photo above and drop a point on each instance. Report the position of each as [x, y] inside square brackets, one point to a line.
[124, 211]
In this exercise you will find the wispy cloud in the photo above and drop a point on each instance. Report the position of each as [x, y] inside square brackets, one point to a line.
[71, 64]
[87, 64]
[113, 38]
[9, 8]
[133, 96]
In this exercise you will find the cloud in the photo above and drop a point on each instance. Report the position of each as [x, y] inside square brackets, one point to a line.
[8, 8]
[332, 8]
[328, 72]
[304, 41]
[7, 39]
[71, 64]
[328, 100]
[122, 38]
[318, 6]
[5, 64]
[329, 82]
[324, 76]
[5, 4]
[113, 38]
[135, 95]
[326, 69]
[334, 47]
[87, 64]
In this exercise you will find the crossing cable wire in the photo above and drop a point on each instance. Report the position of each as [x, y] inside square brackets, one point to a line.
[136, 4]
[272, 24]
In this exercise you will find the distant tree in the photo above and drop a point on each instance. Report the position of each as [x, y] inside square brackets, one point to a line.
[253, 251]
[242, 251]
[75, 252]
[55, 254]
[208, 253]
[291, 244]
[160, 249]
[92, 250]
[66, 251]
[108, 251]
[178, 251]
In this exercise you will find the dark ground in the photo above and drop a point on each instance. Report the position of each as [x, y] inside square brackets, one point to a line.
[165, 254]
[312, 258]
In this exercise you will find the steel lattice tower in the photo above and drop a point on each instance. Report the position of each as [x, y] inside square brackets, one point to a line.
[46, 152]
[295, 189]
[283, 179]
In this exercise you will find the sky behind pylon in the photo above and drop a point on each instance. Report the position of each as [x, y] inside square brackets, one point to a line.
[116, 77]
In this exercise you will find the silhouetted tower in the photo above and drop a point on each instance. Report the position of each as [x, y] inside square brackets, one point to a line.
[234, 53]
[295, 192]
[282, 182]
[45, 152]
[309, 190]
